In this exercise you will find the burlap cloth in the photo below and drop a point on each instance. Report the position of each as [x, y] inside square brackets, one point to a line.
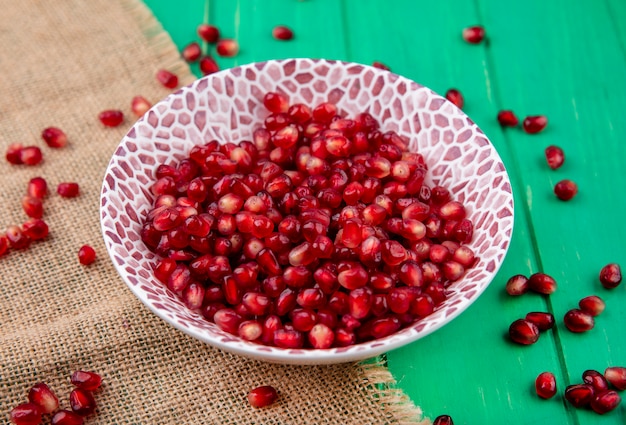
[61, 63]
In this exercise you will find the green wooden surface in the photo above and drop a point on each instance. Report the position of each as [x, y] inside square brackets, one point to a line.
[565, 59]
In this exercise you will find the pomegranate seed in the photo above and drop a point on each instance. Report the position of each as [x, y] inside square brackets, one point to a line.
[542, 283]
[208, 65]
[37, 187]
[596, 380]
[578, 321]
[611, 275]
[565, 190]
[250, 330]
[554, 156]
[543, 321]
[579, 395]
[208, 33]
[507, 119]
[82, 402]
[380, 65]
[592, 305]
[139, 105]
[443, 420]
[33, 207]
[227, 320]
[380, 328]
[276, 102]
[66, 417]
[281, 32]
[54, 137]
[605, 402]
[227, 47]
[26, 414]
[192, 52]
[4, 245]
[262, 396]
[353, 276]
[86, 255]
[13, 153]
[324, 112]
[534, 124]
[31, 155]
[523, 332]
[111, 117]
[455, 96]
[616, 375]
[545, 385]
[474, 34]
[86, 380]
[34, 229]
[321, 336]
[68, 189]
[167, 78]
[17, 239]
[41, 395]
[286, 338]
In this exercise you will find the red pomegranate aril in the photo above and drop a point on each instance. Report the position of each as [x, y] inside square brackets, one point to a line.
[86, 255]
[268, 263]
[86, 380]
[508, 118]
[208, 65]
[54, 137]
[263, 396]
[227, 47]
[443, 420]
[31, 155]
[565, 190]
[37, 187]
[543, 321]
[534, 124]
[311, 298]
[250, 330]
[523, 332]
[578, 321]
[579, 395]
[281, 32]
[302, 255]
[545, 385]
[605, 402]
[554, 156]
[464, 256]
[393, 253]
[26, 414]
[41, 395]
[139, 105]
[191, 52]
[324, 113]
[611, 275]
[35, 229]
[82, 401]
[13, 153]
[517, 285]
[193, 295]
[616, 376]
[32, 206]
[167, 78]
[385, 326]
[452, 271]
[439, 253]
[164, 269]
[542, 283]
[344, 337]
[352, 276]
[286, 338]
[360, 302]
[592, 305]
[596, 380]
[179, 279]
[276, 102]
[17, 239]
[455, 96]
[422, 305]
[474, 34]
[111, 117]
[208, 33]
[66, 417]
[380, 65]
[227, 320]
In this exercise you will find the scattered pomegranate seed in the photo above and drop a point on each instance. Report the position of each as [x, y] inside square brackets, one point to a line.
[605, 402]
[192, 52]
[578, 321]
[534, 124]
[54, 137]
[31, 155]
[592, 305]
[545, 385]
[542, 283]
[262, 396]
[13, 153]
[523, 332]
[85, 380]
[554, 156]
[281, 32]
[26, 414]
[596, 380]
[111, 117]
[565, 190]
[380, 65]
[543, 321]
[68, 189]
[167, 78]
[35, 229]
[37, 187]
[82, 401]
[474, 34]
[208, 33]
[616, 375]
[579, 395]
[67, 417]
[208, 65]
[227, 47]
[517, 285]
[4, 245]
[86, 256]
[507, 119]
[41, 395]
[17, 239]
[443, 420]
[455, 96]
[33, 207]
[140, 105]
[611, 275]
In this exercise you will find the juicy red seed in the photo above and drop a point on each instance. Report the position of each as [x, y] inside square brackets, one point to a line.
[578, 321]
[31, 155]
[616, 375]
[380, 65]
[66, 417]
[26, 414]
[474, 34]
[353, 276]
[276, 102]
[192, 52]
[34, 229]
[288, 338]
[554, 156]
[262, 396]
[611, 275]
[545, 385]
[4, 245]
[13, 153]
[565, 190]
[16, 237]
[281, 32]
[542, 283]
[227, 320]
[534, 124]
[68, 189]
[507, 119]
[33, 207]
[596, 380]
[523, 332]
[605, 402]
[579, 395]
[455, 96]
[380, 328]
[41, 395]
[543, 321]
[86, 255]
[82, 402]
[208, 65]
[321, 336]
[227, 47]
[139, 105]
[592, 305]
[443, 420]
[111, 117]
[167, 78]
[54, 137]
[324, 112]
[208, 33]
[250, 330]
[86, 380]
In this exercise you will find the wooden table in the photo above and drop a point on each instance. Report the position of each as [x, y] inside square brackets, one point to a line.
[566, 60]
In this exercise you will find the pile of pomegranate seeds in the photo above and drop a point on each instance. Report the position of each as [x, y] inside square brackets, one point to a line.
[42, 401]
[318, 233]
[262, 396]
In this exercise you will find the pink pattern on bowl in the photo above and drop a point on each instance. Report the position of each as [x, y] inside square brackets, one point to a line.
[228, 106]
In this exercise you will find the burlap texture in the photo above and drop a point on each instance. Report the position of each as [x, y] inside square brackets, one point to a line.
[61, 63]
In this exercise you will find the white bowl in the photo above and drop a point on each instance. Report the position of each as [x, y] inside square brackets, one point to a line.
[228, 106]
